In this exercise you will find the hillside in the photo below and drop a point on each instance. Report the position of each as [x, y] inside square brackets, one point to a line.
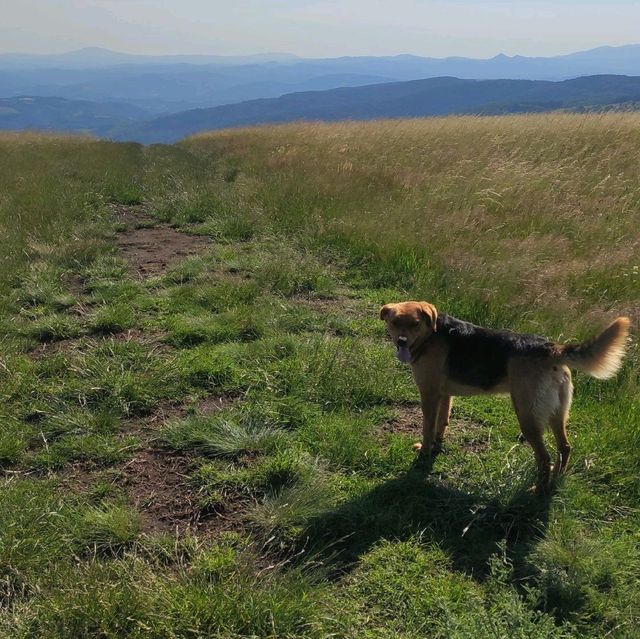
[168, 84]
[98, 118]
[170, 88]
[205, 431]
[436, 96]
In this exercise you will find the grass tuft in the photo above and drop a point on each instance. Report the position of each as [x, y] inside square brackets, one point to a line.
[112, 319]
[220, 436]
[109, 529]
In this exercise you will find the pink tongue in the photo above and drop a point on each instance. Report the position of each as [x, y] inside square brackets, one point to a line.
[404, 354]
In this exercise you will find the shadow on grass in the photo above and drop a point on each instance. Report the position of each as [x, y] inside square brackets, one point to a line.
[467, 526]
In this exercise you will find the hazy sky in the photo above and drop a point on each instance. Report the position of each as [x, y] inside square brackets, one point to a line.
[320, 28]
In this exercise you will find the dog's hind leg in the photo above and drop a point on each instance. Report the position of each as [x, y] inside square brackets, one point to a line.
[530, 398]
[533, 431]
[558, 422]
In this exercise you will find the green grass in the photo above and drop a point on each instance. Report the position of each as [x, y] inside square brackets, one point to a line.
[218, 436]
[258, 371]
[109, 529]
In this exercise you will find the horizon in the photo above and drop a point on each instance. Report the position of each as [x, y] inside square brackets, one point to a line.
[265, 53]
[320, 28]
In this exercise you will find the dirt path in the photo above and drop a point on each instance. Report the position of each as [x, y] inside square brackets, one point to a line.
[152, 247]
[155, 481]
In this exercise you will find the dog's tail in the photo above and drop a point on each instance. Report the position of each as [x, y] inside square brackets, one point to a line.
[601, 356]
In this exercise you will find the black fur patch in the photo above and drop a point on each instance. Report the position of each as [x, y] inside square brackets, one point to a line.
[479, 356]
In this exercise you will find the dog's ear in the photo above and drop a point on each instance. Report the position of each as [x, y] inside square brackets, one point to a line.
[384, 311]
[430, 313]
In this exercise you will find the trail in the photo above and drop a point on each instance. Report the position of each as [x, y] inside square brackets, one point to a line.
[156, 481]
[151, 247]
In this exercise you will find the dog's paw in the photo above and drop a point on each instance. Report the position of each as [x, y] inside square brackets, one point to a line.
[541, 489]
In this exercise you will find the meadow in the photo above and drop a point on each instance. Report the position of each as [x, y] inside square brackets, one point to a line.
[205, 433]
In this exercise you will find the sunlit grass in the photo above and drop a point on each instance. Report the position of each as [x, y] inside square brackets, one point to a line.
[258, 371]
[494, 218]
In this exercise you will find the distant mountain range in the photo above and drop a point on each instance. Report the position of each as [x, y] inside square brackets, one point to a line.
[164, 98]
[168, 84]
[160, 90]
[58, 114]
[97, 57]
[415, 98]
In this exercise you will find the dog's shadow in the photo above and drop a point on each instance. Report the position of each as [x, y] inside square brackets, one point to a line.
[470, 528]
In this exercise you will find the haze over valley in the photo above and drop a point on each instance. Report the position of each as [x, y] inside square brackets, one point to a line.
[161, 98]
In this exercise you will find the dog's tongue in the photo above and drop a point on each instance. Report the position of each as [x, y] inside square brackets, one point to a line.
[404, 354]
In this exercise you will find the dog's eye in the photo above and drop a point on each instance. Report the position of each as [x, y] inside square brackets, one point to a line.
[405, 323]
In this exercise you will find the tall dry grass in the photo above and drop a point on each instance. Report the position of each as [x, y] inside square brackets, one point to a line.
[527, 219]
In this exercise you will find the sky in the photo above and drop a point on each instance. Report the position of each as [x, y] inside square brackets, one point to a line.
[319, 28]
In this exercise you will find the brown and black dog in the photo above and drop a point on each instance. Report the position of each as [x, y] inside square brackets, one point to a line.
[450, 357]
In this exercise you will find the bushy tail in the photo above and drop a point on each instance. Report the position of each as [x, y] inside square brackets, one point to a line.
[601, 356]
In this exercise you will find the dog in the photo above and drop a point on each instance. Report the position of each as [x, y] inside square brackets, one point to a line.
[450, 357]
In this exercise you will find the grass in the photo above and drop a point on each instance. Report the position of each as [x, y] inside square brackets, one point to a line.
[399, 199]
[248, 393]
[220, 437]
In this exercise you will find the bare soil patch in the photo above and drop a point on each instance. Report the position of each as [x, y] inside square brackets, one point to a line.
[50, 348]
[461, 432]
[338, 305]
[76, 284]
[147, 426]
[212, 404]
[79, 477]
[157, 485]
[407, 421]
[475, 445]
[468, 435]
[157, 481]
[151, 247]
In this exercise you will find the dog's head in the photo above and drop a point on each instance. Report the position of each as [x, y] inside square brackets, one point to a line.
[409, 323]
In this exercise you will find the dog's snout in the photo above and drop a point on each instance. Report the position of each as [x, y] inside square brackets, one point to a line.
[402, 341]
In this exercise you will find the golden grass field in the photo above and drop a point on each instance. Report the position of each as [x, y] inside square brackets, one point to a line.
[538, 213]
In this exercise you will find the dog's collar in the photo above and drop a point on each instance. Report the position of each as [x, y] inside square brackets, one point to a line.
[419, 349]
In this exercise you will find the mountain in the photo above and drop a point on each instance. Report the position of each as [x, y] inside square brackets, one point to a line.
[29, 112]
[167, 89]
[417, 98]
[623, 60]
[96, 57]
[168, 84]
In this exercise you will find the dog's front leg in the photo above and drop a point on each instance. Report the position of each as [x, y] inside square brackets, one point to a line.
[444, 413]
[430, 408]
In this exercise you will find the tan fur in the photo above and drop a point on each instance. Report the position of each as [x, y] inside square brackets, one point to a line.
[602, 356]
[540, 386]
